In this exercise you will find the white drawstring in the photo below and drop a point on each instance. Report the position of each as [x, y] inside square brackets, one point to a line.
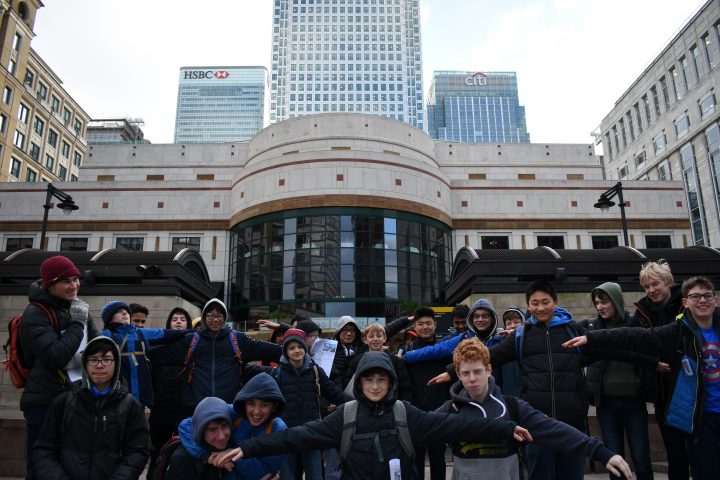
[504, 409]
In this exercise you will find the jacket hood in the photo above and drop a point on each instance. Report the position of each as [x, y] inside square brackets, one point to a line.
[347, 320]
[85, 381]
[459, 395]
[516, 310]
[560, 317]
[371, 361]
[489, 332]
[261, 386]
[614, 292]
[209, 409]
[213, 302]
[36, 293]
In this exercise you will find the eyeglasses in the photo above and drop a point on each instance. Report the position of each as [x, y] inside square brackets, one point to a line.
[347, 330]
[695, 297]
[106, 362]
[215, 317]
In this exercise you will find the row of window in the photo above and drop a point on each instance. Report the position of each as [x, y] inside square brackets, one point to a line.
[341, 9]
[557, 242]
[682, 76]
[80, 244]
[31, 175]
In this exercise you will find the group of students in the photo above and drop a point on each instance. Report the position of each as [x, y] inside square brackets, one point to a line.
[240, 420]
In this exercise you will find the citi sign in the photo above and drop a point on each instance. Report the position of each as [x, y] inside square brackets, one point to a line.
[477, 79]
[200, 74]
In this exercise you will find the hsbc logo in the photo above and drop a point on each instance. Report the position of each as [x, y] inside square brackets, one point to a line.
[477, 79]
[201, 74]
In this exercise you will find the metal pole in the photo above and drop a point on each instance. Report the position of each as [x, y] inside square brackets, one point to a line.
[47, 208]
[622, 212]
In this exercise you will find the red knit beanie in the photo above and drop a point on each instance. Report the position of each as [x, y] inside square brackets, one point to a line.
[57, 268]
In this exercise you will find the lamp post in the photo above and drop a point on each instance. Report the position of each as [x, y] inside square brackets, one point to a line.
[66, 204]
[605, 202]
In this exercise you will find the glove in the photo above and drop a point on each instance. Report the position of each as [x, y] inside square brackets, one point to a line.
[79, 311]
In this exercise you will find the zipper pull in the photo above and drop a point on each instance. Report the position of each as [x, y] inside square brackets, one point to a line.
[104, 423]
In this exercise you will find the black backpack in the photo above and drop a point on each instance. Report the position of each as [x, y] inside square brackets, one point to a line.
[162, 464]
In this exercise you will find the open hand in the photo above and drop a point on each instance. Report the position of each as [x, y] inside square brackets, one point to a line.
[232, 455]
[271, 476]
[663, 367]
[522, 435]
[619, 467]
[268, 324]
[442, 378]
[576, 342]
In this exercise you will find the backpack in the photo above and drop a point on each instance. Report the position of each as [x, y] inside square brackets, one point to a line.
[401, 430]
[15, 363]
[520, 334]
[191, 349]
[162, 464]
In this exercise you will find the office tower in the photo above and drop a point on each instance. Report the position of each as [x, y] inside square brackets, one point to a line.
[220, 104]
[347, 56]
[476, 107]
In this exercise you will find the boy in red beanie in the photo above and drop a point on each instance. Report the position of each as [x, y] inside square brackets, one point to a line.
[55, 327]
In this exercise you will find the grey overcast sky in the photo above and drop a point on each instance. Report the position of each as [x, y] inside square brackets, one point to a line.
[574, 58]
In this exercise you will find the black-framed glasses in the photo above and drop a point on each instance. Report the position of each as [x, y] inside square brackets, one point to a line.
[695, 297]
[106, 362]
[215, 317]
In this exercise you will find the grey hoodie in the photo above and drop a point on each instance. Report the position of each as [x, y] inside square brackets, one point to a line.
[213, 302]
[85, 381]
[209, 409]
[489, 332]
[614, 292]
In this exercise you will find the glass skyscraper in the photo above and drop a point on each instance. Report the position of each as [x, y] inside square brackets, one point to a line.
[476, 107]
[220, 104]
[347, 56]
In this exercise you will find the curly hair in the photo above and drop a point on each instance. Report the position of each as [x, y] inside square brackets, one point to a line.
[471, 350]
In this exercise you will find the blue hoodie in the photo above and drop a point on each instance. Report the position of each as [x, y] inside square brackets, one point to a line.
[446, 348]
[261, 386]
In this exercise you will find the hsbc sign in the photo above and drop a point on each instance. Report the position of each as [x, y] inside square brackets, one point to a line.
[201, 74]
[477, 79]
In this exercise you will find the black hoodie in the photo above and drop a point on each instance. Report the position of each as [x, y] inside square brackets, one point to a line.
[362, 461]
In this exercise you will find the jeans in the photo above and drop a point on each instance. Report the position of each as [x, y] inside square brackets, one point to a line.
[34, 417]
[547, 464]
[618, 418]
[675, 449]
[436, 455]
[704, 448]
[311, 462]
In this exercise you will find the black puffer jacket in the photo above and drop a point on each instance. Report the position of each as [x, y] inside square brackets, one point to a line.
[84, 437]
[553, 378]
[46, 349]
[362, 461]
[300, 390]
[427, 398]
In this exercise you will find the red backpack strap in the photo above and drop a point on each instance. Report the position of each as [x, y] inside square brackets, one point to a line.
[268, 427]
[238, 353]
[188, 358]
[50, 312]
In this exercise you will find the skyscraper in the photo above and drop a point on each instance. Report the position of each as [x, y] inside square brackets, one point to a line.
[347, 56]
[220, 104]
[476, 107]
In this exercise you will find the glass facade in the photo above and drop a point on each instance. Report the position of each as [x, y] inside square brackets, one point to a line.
[694, 194]
[220, 104]
[347, 56]
[476, 107]
[337, 261]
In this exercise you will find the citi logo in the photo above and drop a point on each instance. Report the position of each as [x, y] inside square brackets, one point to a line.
[476, 79]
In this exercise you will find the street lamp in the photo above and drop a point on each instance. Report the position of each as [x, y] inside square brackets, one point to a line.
[605, 202]
[66, 204]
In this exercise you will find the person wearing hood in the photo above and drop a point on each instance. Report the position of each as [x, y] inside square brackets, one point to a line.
[553, 377]
[55, 324]
[135, 346]
[167, 388]
[213, 358]
[481, 321]
[97, 430]
[509, 376]
[376, 439]
[303, 385]
[477, 395]
[254, 412]
[619, 389]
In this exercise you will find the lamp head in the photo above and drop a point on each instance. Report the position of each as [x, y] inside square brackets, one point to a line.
[67, 206]
[604, 204]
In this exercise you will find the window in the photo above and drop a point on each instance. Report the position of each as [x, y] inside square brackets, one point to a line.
[682, 125]
[52, 138]
[495, 243]
[55, 104]
[656, 100]
[178, 243]
[23, 113]
[553, 241]
[638, 118]
[49, 162]
[67, 115]
[664, 91]
[15, 166]
[30, 175]
[3, 122]
[660, 143]
[711, 53]
[65, 149]
[17, 42]
[34, 152]
[604, 241]
[39, 125]
[15, 244]
[623, 172]
[664, 171]
[77, 126]
[658, 241]
[74, 244]
[697, 62]
[694, 193]
[134, 244]
[676, 83]
[687, 77]
[77, 159]
[707, 105]
[29, 78]
[42, 90]
[640, 160]
[62, 172]
[646, 107]
[73, 178]
[19, 139]
[12, 66]
[7, 95]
